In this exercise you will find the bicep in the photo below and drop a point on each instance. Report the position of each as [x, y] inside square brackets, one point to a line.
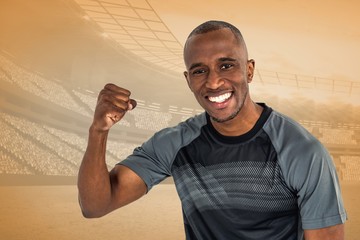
[126, 186]
[336, 232]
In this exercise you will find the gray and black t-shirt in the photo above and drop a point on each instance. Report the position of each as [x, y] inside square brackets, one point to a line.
[270, 183]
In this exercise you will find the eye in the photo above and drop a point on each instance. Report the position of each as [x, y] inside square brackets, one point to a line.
[226, 66]
[198, 71]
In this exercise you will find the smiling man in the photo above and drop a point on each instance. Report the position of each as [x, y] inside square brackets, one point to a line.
[218, 75]
[242, 170]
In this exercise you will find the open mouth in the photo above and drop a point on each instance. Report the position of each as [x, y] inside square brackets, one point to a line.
[221, 98]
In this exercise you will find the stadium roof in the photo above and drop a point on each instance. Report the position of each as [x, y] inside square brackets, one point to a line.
[295, 44]
[137, 26]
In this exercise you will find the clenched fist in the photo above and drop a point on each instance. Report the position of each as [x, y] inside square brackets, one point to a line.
[112, 104]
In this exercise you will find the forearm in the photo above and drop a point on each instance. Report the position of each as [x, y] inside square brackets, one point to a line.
[93, 180]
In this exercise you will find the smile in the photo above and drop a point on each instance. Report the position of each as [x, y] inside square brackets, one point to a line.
[221, 98]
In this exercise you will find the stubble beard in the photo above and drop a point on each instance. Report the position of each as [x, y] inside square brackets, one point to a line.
[233, 115]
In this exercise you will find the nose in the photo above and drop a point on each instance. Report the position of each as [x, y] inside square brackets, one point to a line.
[214, 80]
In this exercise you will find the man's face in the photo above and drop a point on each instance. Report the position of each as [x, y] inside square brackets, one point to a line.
[218, 73]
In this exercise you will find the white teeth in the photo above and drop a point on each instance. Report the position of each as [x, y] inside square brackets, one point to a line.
[221, 98]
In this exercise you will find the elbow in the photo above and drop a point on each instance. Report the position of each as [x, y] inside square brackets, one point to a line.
[90, 212]
[87, 214]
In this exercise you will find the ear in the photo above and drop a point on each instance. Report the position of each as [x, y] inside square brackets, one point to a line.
[250, 70]
[186, 74]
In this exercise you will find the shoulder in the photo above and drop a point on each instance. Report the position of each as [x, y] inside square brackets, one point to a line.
[173, 138]
[299, 153]
[288, 135]
[153, 160]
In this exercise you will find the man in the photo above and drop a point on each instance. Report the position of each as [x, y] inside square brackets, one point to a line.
[241, 169]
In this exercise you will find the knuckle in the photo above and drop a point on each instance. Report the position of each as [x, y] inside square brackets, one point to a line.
[116, 89]
[109, 86]
[127, 92]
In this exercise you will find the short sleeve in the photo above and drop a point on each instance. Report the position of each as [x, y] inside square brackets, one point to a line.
[153, 160]
[146, 162]
[309, 171]
[319, 195]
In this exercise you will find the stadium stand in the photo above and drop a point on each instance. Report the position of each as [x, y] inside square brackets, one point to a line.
[40, 160]
[151, 120]
[337, 136]
[351, 169]
[9, 166]
[39, 86]
[33, 144]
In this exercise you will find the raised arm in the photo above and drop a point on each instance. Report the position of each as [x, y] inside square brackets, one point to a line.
[101, 191]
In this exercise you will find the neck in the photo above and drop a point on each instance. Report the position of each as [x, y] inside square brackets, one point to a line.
[242, 123]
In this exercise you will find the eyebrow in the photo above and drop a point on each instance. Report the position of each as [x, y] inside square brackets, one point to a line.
[226, 59]
[223, 59]
[195, 65]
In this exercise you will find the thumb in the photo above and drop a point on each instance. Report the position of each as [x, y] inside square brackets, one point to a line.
[132, 104]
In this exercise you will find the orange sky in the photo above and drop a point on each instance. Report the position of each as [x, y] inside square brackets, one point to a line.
[317, 38]
[309, 38]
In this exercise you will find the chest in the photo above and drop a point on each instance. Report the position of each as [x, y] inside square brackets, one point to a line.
[210, 175]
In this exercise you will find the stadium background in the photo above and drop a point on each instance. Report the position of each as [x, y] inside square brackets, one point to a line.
[55, 56]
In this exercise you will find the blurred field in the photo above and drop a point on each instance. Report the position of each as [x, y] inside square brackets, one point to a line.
[52, 212]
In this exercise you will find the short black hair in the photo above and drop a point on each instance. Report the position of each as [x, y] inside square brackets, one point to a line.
[214, 25]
